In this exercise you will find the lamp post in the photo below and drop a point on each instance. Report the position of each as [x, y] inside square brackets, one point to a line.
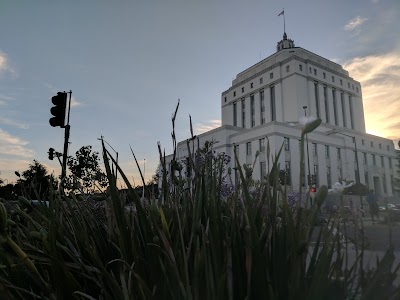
[308, 152]
[356, 157]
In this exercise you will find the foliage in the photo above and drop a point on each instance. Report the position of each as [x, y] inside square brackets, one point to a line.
[192, 242]
[86, 175]
[35, 182]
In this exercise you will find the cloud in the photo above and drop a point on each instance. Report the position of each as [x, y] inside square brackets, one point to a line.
[207, 126]
[15, 123]
[13, 146]
[5, 66]
[379, 76]
[354, 23]
[74, 102]
[4, 99]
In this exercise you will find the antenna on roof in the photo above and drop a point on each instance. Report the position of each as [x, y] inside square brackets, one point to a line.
[284, 25]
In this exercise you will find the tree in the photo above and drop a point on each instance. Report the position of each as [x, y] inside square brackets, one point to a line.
[35, 182]
[86, 175]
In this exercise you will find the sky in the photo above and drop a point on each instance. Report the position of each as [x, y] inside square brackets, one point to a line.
[128, 62]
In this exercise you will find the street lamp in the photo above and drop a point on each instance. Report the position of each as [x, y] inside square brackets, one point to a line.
[308, 152]
[356, 157]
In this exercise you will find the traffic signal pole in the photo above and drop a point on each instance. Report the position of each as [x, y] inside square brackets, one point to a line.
[66, 143]
[64, 161]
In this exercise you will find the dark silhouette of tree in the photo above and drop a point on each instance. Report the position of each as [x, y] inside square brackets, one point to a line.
[86, 175]
[35, 182]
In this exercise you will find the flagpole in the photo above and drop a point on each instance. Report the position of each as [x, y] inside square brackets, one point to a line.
[284, 23]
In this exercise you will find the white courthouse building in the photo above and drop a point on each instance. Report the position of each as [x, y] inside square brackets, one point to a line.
[265, 102]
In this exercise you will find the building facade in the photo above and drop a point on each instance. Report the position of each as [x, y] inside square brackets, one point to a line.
[263, 106]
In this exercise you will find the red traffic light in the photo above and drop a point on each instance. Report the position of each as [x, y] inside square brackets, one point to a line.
[58, 111]
[313, 189]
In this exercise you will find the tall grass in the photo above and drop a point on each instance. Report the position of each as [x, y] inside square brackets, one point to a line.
[193, 242]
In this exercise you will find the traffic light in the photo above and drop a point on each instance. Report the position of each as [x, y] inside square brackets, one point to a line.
[51, 153]
[58, 111]
[313, 189]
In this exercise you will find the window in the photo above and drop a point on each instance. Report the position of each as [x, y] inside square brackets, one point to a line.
[248, 148]
[380, 146]
[387, 147]
[333, 78]
[341, 82]
[366, 179]
[334, 106]
[316, 172]
[310, 70]
[287, 69]
[372, 144]
[234, 94]
[351, 112]
[263, 169]
[357, 89]
[373, 160]
[315, 72]
[382, 162]
[365, 158]
[352, 87]
[262, 144]
[252, 111]
[273, 107]
[262, 107]
[242, 89]
[251, 85]
[343, 109]
[243, 114]
[287, 143]
[326, 151]
[301, 67]
[339, 154]
[340, 175]
[348, 84]
[316, 93]
[271, 75]
[384, 183]
[234, 114]
[314, 149]
[390, 162]
[225, 99]
[288, 173]
[363, 142]
[326, 104]
[324, 75]
[261, 80]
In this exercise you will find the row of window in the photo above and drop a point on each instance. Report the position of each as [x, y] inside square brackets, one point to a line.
[253, 110]
[324, 77]
[271, 76]
[327, 152]
[315, 166]
[372, 145]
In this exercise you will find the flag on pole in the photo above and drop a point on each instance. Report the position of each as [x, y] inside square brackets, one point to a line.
[282, 13]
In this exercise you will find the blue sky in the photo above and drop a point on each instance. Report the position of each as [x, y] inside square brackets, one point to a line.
[129, 62]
